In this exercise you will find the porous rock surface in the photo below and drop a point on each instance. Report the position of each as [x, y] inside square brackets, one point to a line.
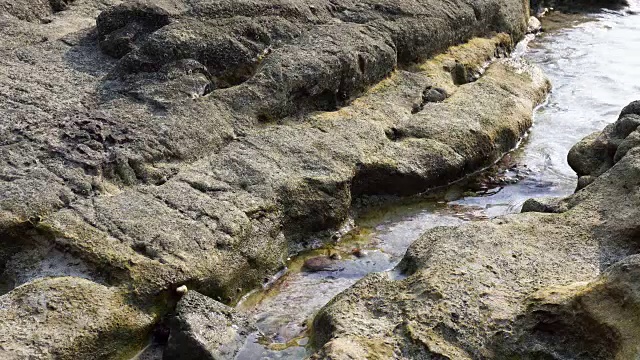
[561, 284]
[204, 329]
[145, 145]
[597, 152]
[70, 318]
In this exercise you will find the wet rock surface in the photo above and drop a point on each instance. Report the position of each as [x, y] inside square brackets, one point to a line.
[318, 263]
[598, 152]
[146, 145]
[552, 284]
[203, 328]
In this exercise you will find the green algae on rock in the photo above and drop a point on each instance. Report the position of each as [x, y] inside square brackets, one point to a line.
[215, 199]
[70, 318]
[599, 319]
[531, 285]
[140, 153]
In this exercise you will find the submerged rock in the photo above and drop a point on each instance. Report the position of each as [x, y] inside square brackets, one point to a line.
[319, 263]
[531, 285]
[203, 328]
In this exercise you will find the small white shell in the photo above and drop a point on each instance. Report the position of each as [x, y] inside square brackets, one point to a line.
[182, 289]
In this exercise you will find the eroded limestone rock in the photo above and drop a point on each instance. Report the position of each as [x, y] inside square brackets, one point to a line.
[152, 188]
[70, 318]
[198, 142]
[597, 320]
[203, 328]
[599, 151]
[534, 285]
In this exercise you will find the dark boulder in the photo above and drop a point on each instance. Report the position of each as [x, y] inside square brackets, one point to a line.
[204, 329]
[123, 26]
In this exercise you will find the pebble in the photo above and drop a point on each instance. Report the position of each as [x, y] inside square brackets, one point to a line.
[318, 263]
[358, 252]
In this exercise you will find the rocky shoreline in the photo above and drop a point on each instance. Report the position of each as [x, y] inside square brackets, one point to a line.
[556, 281]
[151, 145]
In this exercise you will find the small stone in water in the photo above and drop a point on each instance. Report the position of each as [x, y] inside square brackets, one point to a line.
[358, 252]
[318, 263]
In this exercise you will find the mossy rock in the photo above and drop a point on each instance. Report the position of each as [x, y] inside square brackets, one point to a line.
[70, 318]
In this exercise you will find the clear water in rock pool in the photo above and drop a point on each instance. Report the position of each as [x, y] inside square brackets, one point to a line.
[593, 70]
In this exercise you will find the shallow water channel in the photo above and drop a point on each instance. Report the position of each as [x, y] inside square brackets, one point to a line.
[593, 67]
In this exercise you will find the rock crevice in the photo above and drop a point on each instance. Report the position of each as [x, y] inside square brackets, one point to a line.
[555, 281]
[201, 142]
